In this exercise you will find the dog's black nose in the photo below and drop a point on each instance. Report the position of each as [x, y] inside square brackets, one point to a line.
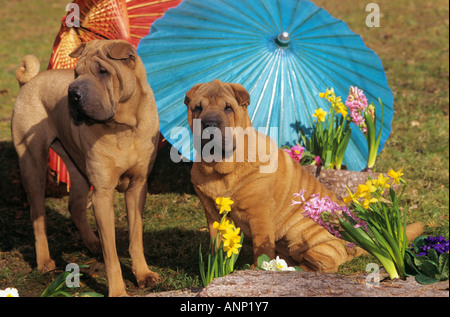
[210, 124]
[75, 96]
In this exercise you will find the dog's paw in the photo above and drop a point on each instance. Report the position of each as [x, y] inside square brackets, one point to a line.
[149, 279]
[94, 245]
[46, 265]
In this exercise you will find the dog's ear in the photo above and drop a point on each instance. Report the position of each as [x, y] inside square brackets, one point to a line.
[78, 51]
[190, 94]
[122, 50]
[241, 94]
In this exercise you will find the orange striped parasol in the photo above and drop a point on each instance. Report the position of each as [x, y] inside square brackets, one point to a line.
[102, 19]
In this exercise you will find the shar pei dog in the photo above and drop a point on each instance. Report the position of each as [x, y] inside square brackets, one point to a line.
[101, 119]
[260, 178]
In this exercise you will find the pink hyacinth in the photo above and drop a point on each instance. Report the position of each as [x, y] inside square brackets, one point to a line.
[357, 103]
[316, 208]
[356, 99]
[359, 222]
[359, 120]
[300, 194]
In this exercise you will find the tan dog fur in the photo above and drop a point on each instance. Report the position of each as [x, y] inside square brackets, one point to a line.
[262, 201]
[116, 149]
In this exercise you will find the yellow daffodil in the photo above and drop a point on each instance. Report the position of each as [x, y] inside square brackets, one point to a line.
[350, 198]
[227, 243]
[224, 204]
[232, 237]
[223, 227]
[231, 242]
[320, 115]
[365, 190]
[328, 95]
[396, 176]
[382, 182]
[368, 201]
[341, 108]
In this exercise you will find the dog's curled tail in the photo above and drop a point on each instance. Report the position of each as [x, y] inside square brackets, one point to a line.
[29, 67]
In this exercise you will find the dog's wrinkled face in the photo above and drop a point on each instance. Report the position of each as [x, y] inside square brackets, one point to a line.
[104, 77]
[217, 105]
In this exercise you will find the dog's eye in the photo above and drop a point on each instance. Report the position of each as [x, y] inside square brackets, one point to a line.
[102, 70]
[198, 109]
[228, 108]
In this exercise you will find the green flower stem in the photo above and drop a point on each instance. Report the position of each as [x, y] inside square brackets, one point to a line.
[373, 141]
[379, 249]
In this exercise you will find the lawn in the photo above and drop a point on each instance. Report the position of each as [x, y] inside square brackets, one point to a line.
[412, 42]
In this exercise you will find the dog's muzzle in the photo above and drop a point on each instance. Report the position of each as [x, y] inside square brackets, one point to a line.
[81, 106]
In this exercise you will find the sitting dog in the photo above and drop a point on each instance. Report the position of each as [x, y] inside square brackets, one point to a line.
[101, 119]
[262, 189]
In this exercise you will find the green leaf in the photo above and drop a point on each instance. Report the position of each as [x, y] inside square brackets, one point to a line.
[432, 254]
[377, 143]
[58, 283]
[328, 158]
[90, 294]
[65, 294]
[443, 267]
[202, 267]
[423, 279]
[426, 266]
[418, 243]
[261, 259]
[410, 268]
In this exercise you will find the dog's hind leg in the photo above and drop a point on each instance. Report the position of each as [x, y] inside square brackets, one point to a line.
[33, 159]
[326, 257]
[314, 248]
[78, 195]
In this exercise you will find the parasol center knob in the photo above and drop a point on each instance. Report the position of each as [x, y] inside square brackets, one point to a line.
[283, 39]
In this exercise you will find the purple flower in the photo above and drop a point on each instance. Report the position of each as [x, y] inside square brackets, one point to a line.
[437, 243]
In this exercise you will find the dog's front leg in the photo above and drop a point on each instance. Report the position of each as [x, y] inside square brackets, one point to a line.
[135, 200]
[211, 213]
[104, 215]
[263, 234]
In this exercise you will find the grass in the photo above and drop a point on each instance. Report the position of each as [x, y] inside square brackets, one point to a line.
[412, 42]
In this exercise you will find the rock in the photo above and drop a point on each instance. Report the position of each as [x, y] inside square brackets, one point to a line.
[255, 283]
[338, 180]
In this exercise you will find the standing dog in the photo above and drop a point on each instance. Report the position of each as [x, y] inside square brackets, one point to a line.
[101, 119]
[262, 190]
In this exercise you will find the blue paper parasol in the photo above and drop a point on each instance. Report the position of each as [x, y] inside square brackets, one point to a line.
[284, 52]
